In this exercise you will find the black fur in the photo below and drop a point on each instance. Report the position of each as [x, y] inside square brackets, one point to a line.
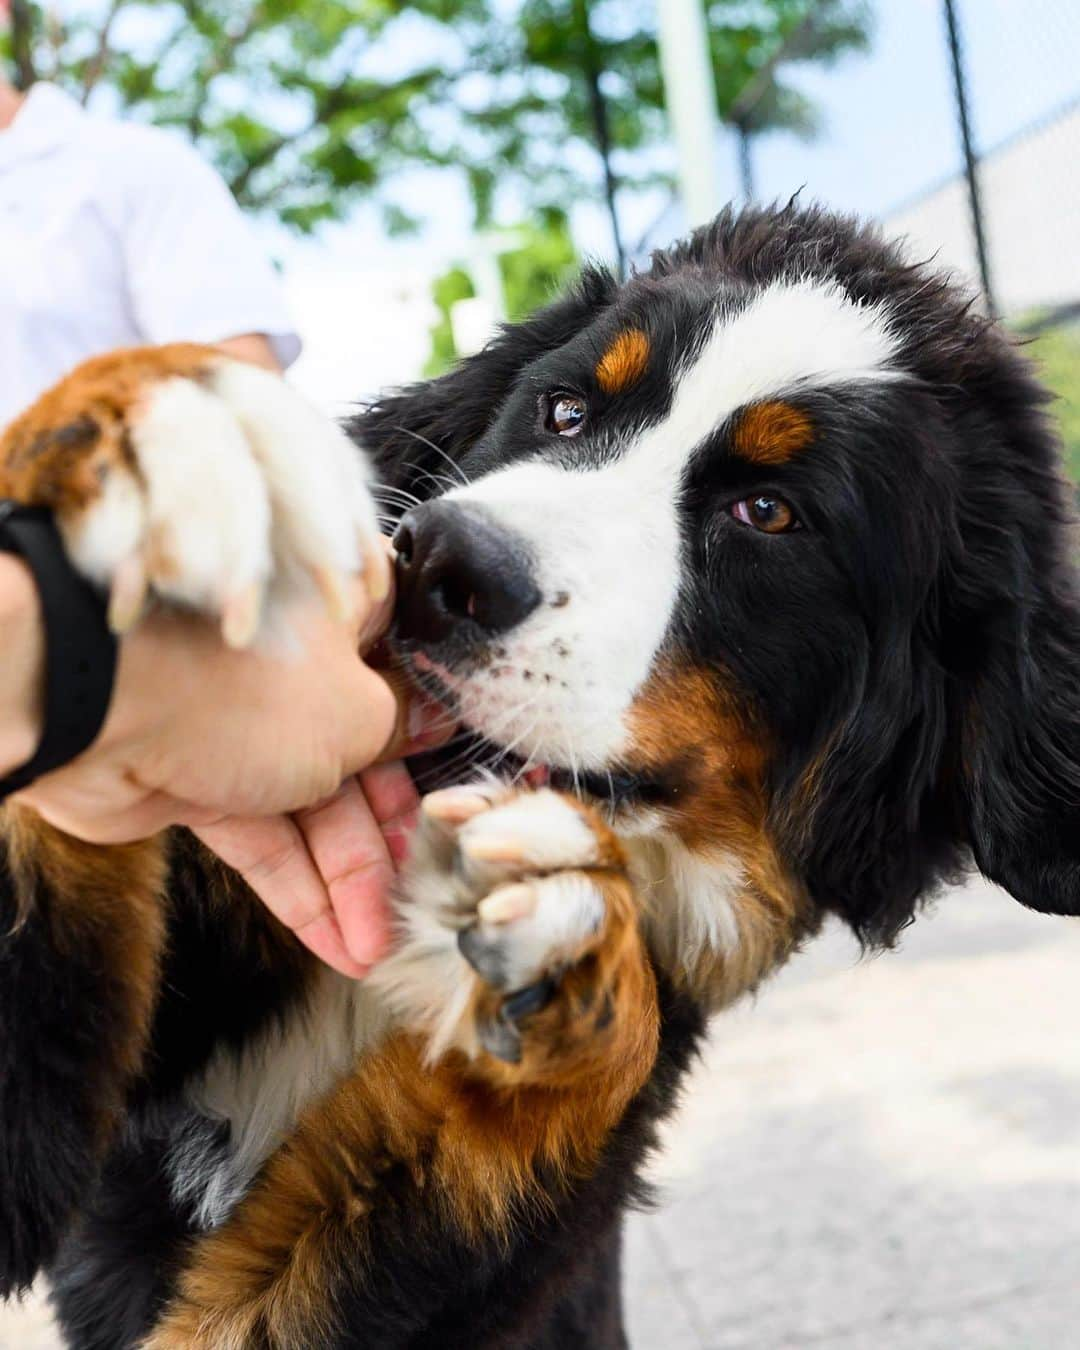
[60, 1027]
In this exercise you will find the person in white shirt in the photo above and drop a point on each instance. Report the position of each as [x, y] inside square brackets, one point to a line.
[114, 234]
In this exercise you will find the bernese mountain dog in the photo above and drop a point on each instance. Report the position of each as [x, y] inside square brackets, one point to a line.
[748, 583]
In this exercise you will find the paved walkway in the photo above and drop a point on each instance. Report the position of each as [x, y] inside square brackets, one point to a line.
[874, 1156]
[881, 1156]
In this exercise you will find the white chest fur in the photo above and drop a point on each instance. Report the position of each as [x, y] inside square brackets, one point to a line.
[262, 1091]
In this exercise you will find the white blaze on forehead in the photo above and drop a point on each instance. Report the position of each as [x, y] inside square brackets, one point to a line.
[794, 335]
[608, 536]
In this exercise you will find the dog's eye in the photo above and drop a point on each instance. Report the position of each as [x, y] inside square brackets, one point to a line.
[772, 515]
[565, 413]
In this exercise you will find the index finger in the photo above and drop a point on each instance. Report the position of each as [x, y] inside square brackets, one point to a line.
[344, 838]
[270, 854]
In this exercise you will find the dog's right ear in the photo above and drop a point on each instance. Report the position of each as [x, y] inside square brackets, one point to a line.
[1021, 763]
[411, 433]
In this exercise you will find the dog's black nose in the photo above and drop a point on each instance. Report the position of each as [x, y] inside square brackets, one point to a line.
[456, 569]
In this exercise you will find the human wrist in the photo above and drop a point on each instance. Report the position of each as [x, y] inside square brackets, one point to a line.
[22, 670]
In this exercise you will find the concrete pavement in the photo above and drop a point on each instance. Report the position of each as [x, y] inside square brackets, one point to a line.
[881, 1155]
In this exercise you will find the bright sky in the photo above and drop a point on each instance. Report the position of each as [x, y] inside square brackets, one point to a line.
[889, 134]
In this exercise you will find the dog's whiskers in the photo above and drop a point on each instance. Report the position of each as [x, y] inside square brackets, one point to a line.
[462, 477]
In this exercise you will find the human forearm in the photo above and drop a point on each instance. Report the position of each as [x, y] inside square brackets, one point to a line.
[254, 348]
[22, 668]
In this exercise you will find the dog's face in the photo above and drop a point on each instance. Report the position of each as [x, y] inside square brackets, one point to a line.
[763, 548]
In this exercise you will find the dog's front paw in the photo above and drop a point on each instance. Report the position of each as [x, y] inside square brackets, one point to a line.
[181, 473]
[518, 918]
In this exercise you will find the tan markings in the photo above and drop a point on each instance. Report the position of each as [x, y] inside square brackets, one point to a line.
[464, 1140]
[772, 433]
[686, 727]
[604, 1010]
[105, 907]
[624, 362]
[60, 451]
[468, 1151]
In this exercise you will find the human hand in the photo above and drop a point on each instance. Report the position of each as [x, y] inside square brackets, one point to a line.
[230, 487]
[238, 745]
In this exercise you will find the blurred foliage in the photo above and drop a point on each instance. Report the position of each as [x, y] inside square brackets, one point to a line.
[536, 263]
[446, 291]
[1056, 352]
[308, 105]
[538, 266]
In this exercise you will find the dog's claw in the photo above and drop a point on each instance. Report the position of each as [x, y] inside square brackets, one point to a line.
[240, 616]
[335, 592]
[454, 806]
[377, 569]
[508, 903]
[128, 594]
[507, 851]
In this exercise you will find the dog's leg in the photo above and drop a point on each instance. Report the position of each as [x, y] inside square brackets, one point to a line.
[523, 971]
[81, 937]
[175, 474]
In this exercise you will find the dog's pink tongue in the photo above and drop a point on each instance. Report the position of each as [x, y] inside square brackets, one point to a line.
[538, 777]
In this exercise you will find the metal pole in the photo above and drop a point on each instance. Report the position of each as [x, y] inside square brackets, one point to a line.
[601, 127]
[746, 163]
[970, 159]
[690, 96]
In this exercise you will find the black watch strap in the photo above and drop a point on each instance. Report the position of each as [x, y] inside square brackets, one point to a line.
[80, 649]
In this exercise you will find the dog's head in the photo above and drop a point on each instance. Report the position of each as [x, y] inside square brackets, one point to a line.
[767, 547]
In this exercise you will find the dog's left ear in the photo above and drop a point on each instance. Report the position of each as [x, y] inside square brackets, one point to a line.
[1019, 765]
[413, 432]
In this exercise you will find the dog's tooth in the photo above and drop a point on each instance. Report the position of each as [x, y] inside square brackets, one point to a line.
[508, 903]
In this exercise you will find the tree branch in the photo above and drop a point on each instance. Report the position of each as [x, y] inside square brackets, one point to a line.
[22, 43]
[598, 112]
[222, 58]
[96, 65]
[743, 104]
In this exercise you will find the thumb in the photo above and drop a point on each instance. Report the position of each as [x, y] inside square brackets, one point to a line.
[386, 719]
[420, 723]
[371, 711]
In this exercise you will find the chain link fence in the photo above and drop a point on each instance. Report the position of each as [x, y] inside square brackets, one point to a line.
[890, 146]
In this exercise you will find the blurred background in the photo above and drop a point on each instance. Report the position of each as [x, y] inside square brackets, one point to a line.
[422, 170]
[878, 1154]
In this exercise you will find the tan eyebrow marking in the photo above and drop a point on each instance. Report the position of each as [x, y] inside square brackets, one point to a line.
[771, 433]
[624, 362]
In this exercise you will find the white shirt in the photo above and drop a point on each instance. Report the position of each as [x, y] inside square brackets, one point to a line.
[114, 234]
